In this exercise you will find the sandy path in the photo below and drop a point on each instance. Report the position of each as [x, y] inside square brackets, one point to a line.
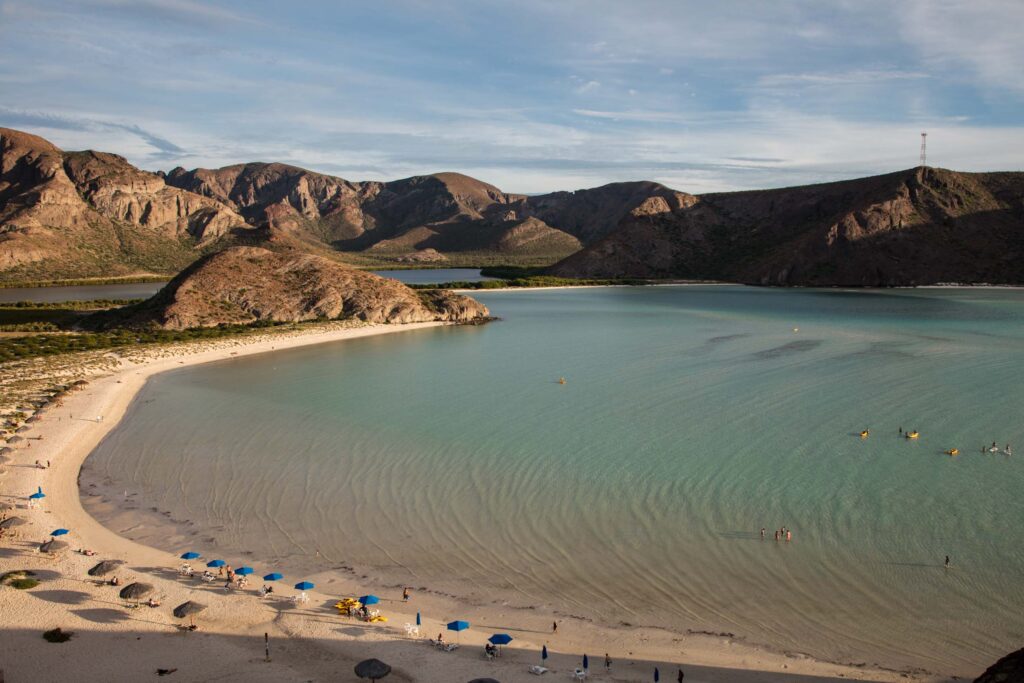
[113, 643]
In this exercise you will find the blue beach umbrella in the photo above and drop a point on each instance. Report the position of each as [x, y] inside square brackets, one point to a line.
[216, 563]
[244, 571]
[369, 600]
[273, 576]
[59, 532]
[586, 662]
[419, 621]
[37, 495]
[304, 586]
[657, 675]
[190, 555]
[544, 653]
[458, 626]
[500, 639]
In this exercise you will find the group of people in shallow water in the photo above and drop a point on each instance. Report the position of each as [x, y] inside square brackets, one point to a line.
[780, 534]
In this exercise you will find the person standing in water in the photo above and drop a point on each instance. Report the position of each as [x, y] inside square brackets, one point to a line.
[762, 533]
[789, 535]
[947, 561]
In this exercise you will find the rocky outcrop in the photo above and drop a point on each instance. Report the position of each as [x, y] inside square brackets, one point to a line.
[915, 227]
[243, 285]
[1009, 669]
[90, 214]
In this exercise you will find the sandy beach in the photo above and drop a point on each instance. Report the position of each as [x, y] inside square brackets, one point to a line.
[308, 642]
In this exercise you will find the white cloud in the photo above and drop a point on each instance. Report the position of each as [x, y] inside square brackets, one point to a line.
[588, 87]
[983, 36]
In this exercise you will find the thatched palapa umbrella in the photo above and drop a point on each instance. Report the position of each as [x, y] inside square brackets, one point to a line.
[34, 418]
[13, 522]
[136, 591]
[105, 567]
[53, 547]
[22, 430]
[189, 609]
[374, 669]
[16, 439]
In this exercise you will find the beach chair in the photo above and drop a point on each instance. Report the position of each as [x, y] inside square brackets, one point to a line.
[412, 630]
[208, 577]
[537, 670]
[301, 598]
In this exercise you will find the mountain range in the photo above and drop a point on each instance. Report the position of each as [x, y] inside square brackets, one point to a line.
[93, 214]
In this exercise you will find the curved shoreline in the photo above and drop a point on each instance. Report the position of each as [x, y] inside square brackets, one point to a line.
[68, 442]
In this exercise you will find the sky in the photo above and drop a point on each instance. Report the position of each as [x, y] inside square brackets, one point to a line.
[529, 95]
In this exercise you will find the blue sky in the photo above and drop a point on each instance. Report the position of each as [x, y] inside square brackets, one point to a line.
[531, 95]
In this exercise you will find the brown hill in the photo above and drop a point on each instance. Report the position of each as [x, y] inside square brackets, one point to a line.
[243, 285]
[919, 226]
[85, 214]
[88, 213]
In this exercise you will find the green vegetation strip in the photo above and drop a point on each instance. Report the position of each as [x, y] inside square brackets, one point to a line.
[534, 281]
[33, 345]
[83, 282]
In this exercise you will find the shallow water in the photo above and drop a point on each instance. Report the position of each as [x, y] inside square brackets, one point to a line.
[691, 418]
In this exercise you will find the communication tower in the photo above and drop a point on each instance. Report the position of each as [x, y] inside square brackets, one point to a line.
[924, 140]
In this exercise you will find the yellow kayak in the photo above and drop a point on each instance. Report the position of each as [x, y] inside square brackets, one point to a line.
[953, 451]
[865, 434]
[912, 435]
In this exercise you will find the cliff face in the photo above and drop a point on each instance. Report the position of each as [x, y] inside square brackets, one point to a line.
[88, 213]
[242, 285]
[920, 226]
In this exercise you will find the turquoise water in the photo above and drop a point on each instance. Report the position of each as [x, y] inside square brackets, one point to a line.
[691, 418]
[139, 290]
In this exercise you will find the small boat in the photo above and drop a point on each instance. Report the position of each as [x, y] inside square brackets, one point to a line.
[913, 435]
[865, 434]
[953, 451]
[994, 449]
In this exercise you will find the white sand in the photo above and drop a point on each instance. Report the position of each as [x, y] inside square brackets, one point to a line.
[309, 643]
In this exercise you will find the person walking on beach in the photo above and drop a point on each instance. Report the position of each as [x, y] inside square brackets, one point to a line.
[405, 594]
[607, 663]
[554, 627]
[681, 675]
